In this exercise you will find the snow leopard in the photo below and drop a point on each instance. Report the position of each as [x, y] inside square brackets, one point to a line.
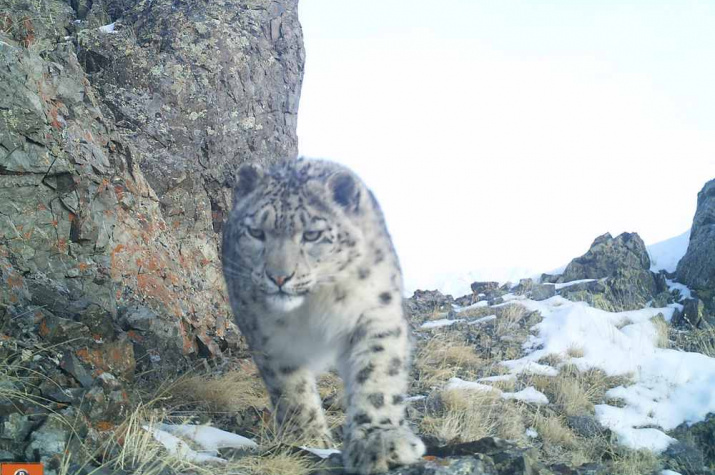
[315, 284]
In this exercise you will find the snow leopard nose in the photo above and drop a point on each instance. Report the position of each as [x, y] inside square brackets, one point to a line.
[279, 280]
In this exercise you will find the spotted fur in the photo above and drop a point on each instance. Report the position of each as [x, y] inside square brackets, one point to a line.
[315, 283]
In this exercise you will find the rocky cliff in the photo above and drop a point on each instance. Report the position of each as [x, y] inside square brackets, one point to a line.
[121, 126]
[697, 268]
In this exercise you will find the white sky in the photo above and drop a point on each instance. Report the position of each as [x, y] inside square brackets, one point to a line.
[501, 137]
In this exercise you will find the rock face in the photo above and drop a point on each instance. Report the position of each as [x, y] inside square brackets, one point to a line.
[697, 268]
[118, 147]
[624, 267]
[117, 150]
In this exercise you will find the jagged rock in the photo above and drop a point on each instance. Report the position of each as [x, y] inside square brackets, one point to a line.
[607, 255]
[693, 314]
[543, 291]
[524, 286]
[117, 155]
[71, 364]
[697, 268]
[48, 440]
[484, 287]
[623, 266]
[506, 456]
[15, 427]
[426, 304]
[699, 435]
[685, 458]
[585, 425]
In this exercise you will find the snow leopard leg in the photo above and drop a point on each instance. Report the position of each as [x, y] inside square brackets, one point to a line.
[375, 372]
[296, 403]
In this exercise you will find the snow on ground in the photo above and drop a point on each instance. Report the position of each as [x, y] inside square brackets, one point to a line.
[573, 282]
[322, 453]
[666, 254]
[210, 439]
[180, 449]
[529, 394]
[480, 304]
[445, 322]
[488, 318]
[669, 387]
[684, 291]
[107, 28]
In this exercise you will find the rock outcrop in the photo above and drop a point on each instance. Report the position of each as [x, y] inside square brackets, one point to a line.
[622, 267]
[697, 268]
[121, 126]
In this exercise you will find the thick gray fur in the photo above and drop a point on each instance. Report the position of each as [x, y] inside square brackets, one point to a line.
[315, 283]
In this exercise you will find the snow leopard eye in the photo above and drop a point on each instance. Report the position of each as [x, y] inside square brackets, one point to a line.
[257, 234]
[312, 236]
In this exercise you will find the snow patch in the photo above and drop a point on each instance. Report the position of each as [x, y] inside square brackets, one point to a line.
[210, 439]
[669, 387]
[573, 282]
[322, 453]
[108, 28]
[458, 383]
[444, 322]
[529, 394]
[666, 254]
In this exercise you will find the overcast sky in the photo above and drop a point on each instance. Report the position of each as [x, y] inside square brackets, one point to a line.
[501, 137]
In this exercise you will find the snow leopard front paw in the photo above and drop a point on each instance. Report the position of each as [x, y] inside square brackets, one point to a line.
[375, 449]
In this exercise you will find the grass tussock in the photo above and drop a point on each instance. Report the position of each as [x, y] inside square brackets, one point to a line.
[633, 462]
[444, 356]
[662, 331]
[470, 415]
[697, 340]
[234, 390]
[508, 317]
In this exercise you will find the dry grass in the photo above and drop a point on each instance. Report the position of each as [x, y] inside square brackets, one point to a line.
[470, 415]
[444, 356]
[662, 330]
[698, 340]
[133, 449]
[278, 463]
[631, 462]
[575, 351]
[553, 430]
[235, 390]
[508, 317]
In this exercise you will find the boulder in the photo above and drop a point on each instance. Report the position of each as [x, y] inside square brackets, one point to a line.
[484, 287]
[693, 314]
[622, 266]
[608, 255]
[697, 267]
[428, 304]
[543, 291]
[695, 447]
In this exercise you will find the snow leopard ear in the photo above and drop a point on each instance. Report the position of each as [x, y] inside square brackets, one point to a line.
[345, 191]
[249, 178]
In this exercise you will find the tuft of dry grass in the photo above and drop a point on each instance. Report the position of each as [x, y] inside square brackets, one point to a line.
[282, 462]
[552, 429]
[698, 340]
[470, 415]
[662, 330]
[234, 390]
[508, 317]
[575, 351]
[632, 462]
[574, 392]
[444, 356]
